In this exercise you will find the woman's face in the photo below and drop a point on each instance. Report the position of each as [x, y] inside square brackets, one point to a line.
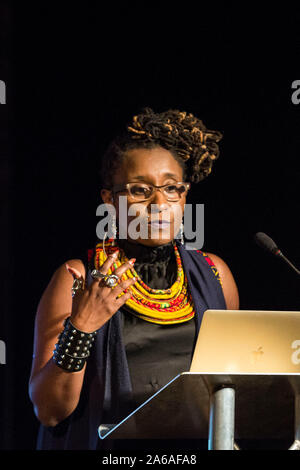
[157, 167]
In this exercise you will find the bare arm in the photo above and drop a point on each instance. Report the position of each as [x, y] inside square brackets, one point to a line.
[55, 392]
[230, 289]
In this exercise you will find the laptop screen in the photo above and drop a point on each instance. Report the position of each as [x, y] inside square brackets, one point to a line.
[248, 341]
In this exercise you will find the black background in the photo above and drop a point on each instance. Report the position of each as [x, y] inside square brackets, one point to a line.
[75, 75]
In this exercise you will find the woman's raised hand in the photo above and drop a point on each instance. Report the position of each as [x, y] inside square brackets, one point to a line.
[95, 305]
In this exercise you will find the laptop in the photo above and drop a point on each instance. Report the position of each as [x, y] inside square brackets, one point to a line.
[248, 341]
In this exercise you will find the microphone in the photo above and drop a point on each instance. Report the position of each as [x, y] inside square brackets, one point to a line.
[265, 242]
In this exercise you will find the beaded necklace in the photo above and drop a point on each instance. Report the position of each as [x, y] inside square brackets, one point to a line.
[162, 306]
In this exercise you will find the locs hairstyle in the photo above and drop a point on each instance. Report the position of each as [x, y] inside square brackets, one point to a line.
[185, 136]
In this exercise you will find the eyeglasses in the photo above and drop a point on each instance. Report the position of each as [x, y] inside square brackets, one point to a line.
[143, 191]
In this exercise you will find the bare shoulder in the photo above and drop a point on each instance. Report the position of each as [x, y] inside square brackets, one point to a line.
[230, 289]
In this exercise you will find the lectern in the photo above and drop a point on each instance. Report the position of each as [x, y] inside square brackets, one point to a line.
[219, 408]
[255, 395]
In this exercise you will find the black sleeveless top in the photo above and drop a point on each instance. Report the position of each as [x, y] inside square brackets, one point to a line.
[155, 353]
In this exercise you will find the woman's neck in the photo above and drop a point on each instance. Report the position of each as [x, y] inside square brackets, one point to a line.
[145, 253]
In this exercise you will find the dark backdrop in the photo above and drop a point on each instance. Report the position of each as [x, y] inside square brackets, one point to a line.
[75, 76]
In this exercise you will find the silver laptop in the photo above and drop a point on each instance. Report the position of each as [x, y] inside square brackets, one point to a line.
[248, 341]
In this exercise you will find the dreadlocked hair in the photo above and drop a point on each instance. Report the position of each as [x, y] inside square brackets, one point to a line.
[185, 136]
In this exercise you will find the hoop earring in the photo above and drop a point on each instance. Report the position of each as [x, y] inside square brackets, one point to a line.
[181, 233]
[114, 229]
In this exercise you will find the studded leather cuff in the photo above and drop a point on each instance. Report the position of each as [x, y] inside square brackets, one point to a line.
[73, 347]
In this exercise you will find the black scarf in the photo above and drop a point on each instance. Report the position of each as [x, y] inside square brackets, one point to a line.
[155, 265]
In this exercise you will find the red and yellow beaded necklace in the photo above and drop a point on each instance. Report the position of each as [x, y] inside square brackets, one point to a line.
[162, 306]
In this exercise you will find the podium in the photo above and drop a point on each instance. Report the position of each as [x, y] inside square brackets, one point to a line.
[218, 407]
[243, 384]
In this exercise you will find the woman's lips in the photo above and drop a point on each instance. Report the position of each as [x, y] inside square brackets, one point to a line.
[160, 224]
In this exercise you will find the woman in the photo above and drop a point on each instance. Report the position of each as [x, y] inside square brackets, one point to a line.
[138, 328]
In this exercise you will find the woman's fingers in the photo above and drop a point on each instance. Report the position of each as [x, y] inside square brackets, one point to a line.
[91, 307]
[78, 290]
[122, 286]
[103, 269]
[123, 292]
[124, 267]
[108, 262]
[107, 265]
[74, 272]
[122, 300]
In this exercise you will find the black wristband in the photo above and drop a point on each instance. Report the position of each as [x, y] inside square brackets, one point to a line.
[73, 347]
